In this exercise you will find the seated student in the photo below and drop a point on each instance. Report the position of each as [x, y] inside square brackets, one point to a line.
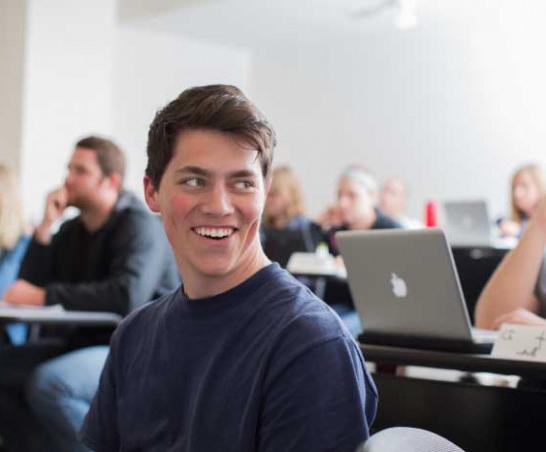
[14, 241]
[355, 209]
[285, 228]
[242, 357]
[356, 206]
[516, 293]
[112, 257]
[392, 202]
[527, 187]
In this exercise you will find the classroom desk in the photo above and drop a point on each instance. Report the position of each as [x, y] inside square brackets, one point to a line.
[476, 417]
[50, 316]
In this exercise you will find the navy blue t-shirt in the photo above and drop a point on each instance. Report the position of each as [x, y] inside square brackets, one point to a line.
[265, 366]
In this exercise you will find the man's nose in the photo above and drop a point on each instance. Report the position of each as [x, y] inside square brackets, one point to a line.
[218, 202]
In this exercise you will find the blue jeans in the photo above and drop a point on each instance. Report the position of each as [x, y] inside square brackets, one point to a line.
[60, 392]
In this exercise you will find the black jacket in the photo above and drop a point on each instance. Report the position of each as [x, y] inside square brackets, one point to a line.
[125, 263]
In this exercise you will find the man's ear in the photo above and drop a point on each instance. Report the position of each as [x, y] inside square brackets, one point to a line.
[150, 195]
[115, 180]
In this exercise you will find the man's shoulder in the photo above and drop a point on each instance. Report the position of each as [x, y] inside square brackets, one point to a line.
[301, 316]
[132, 214]
[384, 221]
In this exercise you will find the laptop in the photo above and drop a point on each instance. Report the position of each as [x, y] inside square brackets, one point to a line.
[467, 223]
[407, 292]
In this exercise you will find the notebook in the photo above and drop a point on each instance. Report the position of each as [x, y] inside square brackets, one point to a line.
[407, 292]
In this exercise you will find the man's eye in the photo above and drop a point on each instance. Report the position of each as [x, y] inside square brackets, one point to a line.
[244, 185]
[193, 182]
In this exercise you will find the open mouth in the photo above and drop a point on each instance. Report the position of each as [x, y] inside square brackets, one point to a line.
[214, 233]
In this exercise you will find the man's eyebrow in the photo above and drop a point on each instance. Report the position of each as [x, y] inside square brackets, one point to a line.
[242, 173]
[193, 170]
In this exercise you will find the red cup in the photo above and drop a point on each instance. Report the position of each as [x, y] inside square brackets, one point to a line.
[431, 214]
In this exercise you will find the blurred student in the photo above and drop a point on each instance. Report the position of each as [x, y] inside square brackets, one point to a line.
[355, 209]
[392, 202]
[516, 293]
[285, 228]
[14, 240]
[356, 206]
[527, 187]
[112, 257]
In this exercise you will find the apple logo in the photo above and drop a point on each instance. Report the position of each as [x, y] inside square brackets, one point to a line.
[399, 287]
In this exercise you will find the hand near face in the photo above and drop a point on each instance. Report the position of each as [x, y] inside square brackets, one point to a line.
[521, 317]
[55, 205]
[23, 292]
[509, 228]
[56, 202]
[331, 217]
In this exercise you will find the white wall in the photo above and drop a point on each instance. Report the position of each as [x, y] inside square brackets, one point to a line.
[86, 73]
[151, 69]
[452, 107]
[12, 50]
[68, 83]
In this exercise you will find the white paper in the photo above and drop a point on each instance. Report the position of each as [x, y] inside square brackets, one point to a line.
[521, 342]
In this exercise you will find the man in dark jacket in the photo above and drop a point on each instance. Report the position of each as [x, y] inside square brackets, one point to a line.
[112, 257]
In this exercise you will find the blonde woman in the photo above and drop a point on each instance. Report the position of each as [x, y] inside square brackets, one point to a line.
[527, 188]
[284, 204]
[13, 237]
[285, 228]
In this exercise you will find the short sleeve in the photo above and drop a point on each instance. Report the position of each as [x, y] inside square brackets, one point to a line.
[100, 429]
[323, 400]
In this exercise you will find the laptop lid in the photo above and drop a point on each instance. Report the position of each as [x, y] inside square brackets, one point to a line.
[467, 223]
[404, 283]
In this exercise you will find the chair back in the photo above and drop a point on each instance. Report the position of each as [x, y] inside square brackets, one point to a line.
[407, 439]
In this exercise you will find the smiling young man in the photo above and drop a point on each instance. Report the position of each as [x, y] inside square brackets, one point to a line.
[242, 357]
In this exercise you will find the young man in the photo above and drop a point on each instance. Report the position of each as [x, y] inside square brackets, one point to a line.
[112, 257]
[242, 357]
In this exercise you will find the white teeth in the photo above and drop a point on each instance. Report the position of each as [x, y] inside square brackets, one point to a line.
[214, 232]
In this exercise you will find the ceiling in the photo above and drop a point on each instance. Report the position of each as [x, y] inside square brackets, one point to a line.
[258, 23]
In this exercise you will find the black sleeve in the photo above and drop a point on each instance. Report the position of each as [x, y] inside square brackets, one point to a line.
[139, 250]
[37, 265]
[324, 400]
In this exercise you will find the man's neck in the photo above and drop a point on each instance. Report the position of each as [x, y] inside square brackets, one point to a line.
[94, 217]
[196, 287]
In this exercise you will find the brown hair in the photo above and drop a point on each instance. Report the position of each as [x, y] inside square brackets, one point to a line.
[216, 107]
[109, 155]
[537, 176]
[284, 177]
[12, 225]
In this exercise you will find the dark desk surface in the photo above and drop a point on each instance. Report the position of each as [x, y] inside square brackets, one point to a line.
[450, 360]
[476, 417]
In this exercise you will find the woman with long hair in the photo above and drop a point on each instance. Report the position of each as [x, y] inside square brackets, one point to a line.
[526, 189]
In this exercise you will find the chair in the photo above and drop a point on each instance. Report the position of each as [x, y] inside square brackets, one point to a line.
[407, 439]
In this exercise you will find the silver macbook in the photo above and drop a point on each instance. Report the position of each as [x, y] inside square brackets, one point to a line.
[467, 223]
[406, 290]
